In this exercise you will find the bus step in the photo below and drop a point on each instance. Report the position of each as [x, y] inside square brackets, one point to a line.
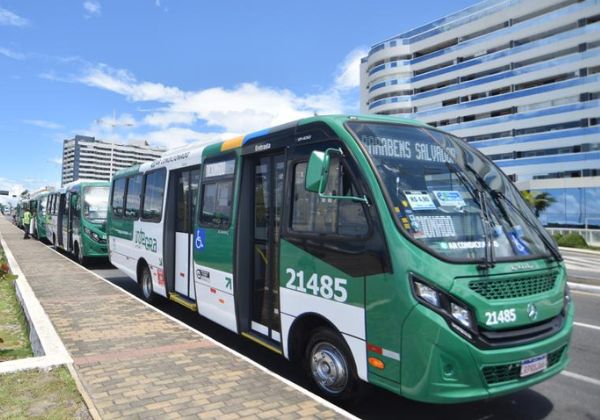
[263, 341]
[184, 301]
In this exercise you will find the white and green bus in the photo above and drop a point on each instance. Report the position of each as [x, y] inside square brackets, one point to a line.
[76, 219]
[367, 249]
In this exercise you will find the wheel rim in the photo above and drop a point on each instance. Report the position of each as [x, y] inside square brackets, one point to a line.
[329, 368]
[146, 284]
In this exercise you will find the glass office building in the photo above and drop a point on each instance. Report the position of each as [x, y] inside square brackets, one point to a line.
[518, 79]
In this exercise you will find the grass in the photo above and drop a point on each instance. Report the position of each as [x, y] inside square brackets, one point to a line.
[40, 394]
[14, 333]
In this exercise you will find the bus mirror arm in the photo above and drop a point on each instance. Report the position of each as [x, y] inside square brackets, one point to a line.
[317, 174]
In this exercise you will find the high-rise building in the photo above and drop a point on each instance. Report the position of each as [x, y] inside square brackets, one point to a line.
[518, 79]
[87, 158]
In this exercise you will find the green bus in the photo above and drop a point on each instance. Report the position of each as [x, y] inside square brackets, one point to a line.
[76, 219]
[364, 248]
[38, 204]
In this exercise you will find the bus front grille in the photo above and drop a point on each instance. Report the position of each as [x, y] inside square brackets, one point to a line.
[512, 371]
[493, 289]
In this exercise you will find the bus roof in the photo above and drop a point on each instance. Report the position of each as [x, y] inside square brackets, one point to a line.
[192, 154]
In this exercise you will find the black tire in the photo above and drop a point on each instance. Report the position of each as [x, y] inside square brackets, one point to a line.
[330, 367]
[79, 255]
[145, 284]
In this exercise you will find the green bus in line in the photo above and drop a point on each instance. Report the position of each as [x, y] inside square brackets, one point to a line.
[364, 248]
[76, 219]
[38, 204]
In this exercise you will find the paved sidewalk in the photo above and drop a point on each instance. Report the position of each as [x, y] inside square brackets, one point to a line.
[135, 362]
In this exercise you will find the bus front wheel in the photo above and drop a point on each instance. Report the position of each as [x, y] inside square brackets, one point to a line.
[145, 283]
[330, 367]
[79, 253]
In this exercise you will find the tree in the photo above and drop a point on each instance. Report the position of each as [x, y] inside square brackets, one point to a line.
[538, 201]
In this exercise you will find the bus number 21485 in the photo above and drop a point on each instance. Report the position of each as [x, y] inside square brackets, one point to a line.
[324, 286]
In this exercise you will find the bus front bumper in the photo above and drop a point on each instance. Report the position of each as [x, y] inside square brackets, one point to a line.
[439, 366]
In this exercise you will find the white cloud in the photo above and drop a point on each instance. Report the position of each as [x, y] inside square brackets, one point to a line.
[9, 18]
[221, 111]
[177, 136]
[348, 74]
[11, 54]
[92, 7]
[44, 124]
[122, 82]
[56, 161]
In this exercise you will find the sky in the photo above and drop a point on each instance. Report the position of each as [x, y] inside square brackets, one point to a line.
[175, 72]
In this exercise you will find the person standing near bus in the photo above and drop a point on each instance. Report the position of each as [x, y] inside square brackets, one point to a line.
[26, 223]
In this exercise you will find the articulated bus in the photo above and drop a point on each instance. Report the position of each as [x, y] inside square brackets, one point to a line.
[367, 249]
[76, 219]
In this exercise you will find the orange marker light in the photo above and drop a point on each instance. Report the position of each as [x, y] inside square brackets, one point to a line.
[376, 363]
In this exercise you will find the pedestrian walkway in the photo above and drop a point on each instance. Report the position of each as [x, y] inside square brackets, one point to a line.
[135, 362]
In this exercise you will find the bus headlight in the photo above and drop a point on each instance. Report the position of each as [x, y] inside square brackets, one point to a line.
[457, 314]
[461, 314]
[427, 293]
[91, 234]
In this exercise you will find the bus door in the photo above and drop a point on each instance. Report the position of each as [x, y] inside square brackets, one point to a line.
[266, 208]
[186, 186]
[61, 220]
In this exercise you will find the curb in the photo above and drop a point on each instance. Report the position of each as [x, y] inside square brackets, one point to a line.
[48, 349]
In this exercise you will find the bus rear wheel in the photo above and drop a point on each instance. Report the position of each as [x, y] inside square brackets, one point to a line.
[330, 367]
[145, 283]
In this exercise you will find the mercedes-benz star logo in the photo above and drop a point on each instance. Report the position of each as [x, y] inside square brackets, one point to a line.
[532, 311]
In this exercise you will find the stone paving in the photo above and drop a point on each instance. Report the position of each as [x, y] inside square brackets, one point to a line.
[134, 362]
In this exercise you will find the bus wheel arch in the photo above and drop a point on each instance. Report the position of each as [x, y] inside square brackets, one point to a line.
[321, 348]
[144, 280]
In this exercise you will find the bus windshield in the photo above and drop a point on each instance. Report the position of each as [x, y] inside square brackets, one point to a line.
[449, 198]
[95, 204]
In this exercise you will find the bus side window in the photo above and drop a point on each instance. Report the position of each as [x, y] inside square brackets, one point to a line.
[217, 193]
[313, 214]
[117, 197]
[132, 201]
[154, 189]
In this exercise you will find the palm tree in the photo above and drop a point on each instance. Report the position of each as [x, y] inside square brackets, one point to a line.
[538, 201]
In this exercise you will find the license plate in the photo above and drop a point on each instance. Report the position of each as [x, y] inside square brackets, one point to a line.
[534, 365]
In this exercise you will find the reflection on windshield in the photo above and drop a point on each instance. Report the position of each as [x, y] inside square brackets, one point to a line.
[95, 204]
[448, 197]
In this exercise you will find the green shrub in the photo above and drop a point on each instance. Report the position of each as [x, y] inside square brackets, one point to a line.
[557, 236]
[572, 240]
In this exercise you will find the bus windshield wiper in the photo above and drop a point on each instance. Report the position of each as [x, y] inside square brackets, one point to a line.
[497, 195]
[489, 260]
[476, 191]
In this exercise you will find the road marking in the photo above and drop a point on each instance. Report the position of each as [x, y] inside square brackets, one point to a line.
[580, 377]
[581, 324]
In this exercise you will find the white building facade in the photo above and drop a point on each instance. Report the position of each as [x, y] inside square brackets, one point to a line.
[518, 79]
[87, 158]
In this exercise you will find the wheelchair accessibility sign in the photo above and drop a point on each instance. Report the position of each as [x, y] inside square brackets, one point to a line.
[200, 239]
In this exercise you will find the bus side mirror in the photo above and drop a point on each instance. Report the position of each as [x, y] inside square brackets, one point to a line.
[317, 174]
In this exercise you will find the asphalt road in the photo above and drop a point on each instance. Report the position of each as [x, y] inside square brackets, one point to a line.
[574, 394]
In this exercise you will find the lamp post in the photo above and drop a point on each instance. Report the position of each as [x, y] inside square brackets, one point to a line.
[113, 124]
